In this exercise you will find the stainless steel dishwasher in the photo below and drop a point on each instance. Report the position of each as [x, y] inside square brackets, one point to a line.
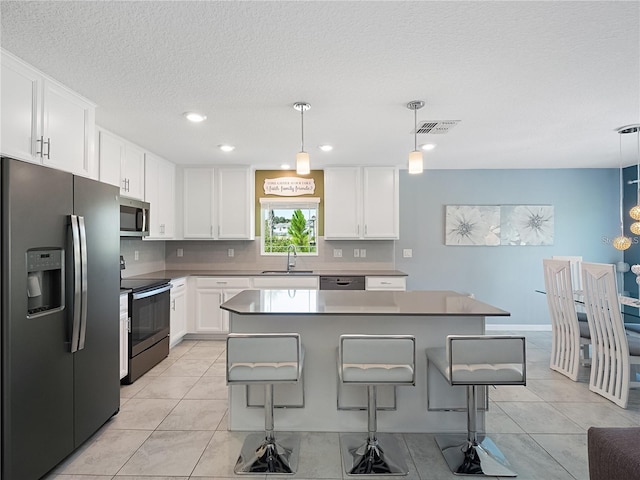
[342, 283]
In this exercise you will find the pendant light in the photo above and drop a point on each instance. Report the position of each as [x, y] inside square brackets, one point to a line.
[416, 164]
[621, 242]
[303, 166]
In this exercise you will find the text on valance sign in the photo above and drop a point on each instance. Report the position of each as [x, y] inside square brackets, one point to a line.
[289, 186]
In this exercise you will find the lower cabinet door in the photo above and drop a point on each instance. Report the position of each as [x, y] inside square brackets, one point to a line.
[209, 316]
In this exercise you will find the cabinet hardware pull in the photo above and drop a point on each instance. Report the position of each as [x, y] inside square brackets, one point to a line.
[41, 142]
[48, 144]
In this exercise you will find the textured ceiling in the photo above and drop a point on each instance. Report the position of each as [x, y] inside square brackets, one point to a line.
[534, 84]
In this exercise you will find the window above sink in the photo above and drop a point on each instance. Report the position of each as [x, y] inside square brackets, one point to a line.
[287, 222]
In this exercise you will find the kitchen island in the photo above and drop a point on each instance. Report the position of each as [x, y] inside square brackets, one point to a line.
[320, 317]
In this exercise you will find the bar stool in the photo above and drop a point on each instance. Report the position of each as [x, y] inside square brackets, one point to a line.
[375, 360]
[265, 358]
[473, 360]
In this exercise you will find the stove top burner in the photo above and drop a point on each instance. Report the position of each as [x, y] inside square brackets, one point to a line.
[140, 284]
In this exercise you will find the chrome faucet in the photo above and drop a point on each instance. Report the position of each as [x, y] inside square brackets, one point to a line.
[291, 263]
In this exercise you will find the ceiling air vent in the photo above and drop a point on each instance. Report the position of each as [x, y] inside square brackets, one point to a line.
[435, 127]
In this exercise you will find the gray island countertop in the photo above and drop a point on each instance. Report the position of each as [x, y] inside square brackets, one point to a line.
[329, 302]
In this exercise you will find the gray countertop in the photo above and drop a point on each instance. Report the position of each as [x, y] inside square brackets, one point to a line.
[315, 302]
[172, 274]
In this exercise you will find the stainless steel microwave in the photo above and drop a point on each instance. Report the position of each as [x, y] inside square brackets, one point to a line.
[134, 218]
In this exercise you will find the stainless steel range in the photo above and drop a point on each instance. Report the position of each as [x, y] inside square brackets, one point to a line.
[149, 312]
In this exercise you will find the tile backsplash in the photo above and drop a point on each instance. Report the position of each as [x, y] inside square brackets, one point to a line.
[214, 255]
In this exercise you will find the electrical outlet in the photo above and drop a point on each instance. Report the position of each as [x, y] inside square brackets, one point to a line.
[356, 253]
[337, 252]
[136, 255]
[363, 252]
[180, 252]
[230, 252]
[407, 253]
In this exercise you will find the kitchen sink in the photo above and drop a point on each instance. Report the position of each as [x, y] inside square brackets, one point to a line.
[287, 272]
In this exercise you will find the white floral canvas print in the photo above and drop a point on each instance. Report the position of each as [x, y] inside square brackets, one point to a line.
[472, 225]
[527, 225]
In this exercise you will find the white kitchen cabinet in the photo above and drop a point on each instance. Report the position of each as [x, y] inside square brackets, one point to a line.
[110, 157]
[21, 88]
[132, 172]
[124, 335]
[159, 191]
[218, 203]
[210, 293]
[398, 284]
[198, 203]
[45, 122]
[302, 282]
[178, 314]
[361, 203]
[235, 204]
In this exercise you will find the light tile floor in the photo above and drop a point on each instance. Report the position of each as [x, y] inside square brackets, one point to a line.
[172, 425]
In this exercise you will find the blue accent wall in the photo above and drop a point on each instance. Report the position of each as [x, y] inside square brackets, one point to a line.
[586, 207]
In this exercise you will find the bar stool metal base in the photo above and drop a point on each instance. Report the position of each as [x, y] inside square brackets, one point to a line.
[380, 458]
[466, 458]
[260, 455]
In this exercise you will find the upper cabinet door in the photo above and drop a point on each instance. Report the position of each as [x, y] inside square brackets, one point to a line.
[68, 131]
[132, 174]
[159, 191]
[198, 203]
[361, 203]
[20, 97]
[380, 201]
[235, 204]
[110, 157]
[342, 203]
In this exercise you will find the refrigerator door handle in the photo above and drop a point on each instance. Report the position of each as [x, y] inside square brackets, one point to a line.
[75, 245]
[84, 286]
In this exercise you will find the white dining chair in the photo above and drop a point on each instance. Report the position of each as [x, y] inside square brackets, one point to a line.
[567, 340]
[613, 352]
[575, 262]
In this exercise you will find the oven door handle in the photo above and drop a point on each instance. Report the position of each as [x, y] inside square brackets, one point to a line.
[150, 293]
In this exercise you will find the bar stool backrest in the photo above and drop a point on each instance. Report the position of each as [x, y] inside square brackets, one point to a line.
[486, 360]
[392, 349]
[267, 350]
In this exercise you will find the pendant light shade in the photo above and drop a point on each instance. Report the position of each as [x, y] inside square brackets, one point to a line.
[303, 165]
[416, 163]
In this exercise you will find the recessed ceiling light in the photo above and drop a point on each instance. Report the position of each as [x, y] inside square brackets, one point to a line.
[226, 148]
[195, 117]
[428, 146]
[326, 148]
[285, 166]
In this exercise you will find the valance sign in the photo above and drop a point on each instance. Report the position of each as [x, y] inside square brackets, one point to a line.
[289, 186]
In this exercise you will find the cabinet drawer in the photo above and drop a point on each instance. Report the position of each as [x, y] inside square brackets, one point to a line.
[178, 284]
[223, 282]
[386, 283]
[309, 283]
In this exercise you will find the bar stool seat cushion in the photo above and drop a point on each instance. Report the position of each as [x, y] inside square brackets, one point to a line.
[372, 373]
[476, 373]
[263, 371]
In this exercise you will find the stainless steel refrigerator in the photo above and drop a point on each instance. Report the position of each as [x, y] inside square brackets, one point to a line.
[60, 311]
